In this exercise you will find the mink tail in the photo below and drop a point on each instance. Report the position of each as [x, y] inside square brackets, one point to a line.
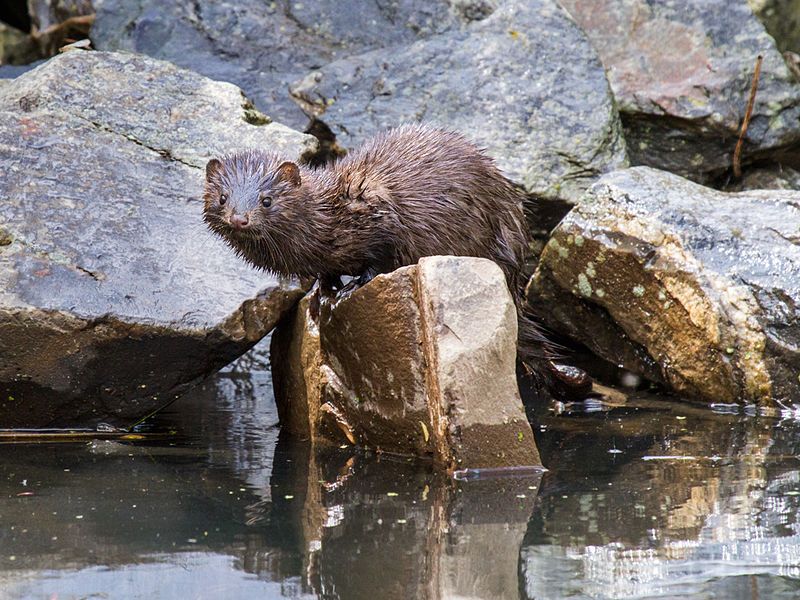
[537, 355]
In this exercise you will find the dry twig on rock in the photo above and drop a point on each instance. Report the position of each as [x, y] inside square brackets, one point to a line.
[737, 153]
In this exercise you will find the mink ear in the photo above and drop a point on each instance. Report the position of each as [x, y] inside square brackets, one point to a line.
[290, 172]
[213, 167]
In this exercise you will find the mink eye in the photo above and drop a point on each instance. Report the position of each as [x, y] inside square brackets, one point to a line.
[266, 200]
[223, 198]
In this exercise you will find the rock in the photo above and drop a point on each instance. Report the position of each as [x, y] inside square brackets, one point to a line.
[298, 374]
[781, 18]
[523, 82]
[772, 177]
[681, 73]
[419, 362]
[262, 46]
[548, 117]
[688, 286]
[113, 296]
[171, 124]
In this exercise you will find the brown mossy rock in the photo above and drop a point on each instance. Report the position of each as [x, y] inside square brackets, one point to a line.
[418, 362]
[114, 298]
[688, 286]
[681, 72]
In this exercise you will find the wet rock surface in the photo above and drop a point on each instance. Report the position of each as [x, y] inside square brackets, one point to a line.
[113, 296]
[681, 72]
[517, 77]
[262, 46]
[523, 82]
[418, 362]
[298, 376]
[686, 285]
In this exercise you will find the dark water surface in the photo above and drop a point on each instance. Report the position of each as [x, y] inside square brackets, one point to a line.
[643, 499]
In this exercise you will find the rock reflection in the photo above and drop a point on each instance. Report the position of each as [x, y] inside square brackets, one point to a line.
[687, 503]
[218, 505]
[386, 527]
[643, 499]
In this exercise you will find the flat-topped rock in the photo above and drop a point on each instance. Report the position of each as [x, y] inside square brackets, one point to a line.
[419, 362]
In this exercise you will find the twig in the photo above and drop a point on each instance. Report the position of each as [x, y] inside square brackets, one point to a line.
[737, 153]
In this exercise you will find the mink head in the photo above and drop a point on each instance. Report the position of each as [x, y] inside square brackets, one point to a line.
[252, 196]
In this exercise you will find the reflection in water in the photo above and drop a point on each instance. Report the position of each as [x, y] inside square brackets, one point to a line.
[644, 499]
[666, 500]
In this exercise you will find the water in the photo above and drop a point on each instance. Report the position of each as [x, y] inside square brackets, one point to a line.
[644, 499]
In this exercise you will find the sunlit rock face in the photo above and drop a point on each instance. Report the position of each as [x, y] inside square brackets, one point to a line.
[688, 286]
[113, 296]
[420, 361]
[680, 73]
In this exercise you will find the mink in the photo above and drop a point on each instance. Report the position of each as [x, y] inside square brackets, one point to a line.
[408, 192]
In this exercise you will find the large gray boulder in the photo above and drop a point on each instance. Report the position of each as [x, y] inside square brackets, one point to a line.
[522, 81]
[517, 77]
[263, 46]
[681, 72]
[113, 296]
[688, 286]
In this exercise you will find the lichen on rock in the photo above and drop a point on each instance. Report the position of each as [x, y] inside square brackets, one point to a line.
[699, 287]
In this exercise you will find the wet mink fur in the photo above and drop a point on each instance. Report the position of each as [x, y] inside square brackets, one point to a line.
[409, 192]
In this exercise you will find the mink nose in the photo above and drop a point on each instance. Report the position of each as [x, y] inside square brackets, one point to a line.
[239, 221]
